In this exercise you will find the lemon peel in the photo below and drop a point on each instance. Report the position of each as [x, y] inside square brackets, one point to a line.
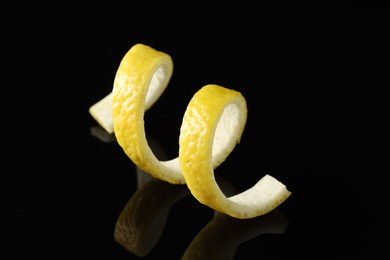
[212, 126]
[141, 78]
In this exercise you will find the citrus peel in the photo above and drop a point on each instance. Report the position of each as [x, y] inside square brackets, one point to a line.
[212, 126]
[141, 78]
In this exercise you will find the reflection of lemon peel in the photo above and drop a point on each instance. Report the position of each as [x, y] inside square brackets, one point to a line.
[212, 126]
[221, 237]
[141, 222]
[100, 133]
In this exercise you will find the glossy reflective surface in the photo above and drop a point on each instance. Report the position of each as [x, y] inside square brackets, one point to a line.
[313, 82]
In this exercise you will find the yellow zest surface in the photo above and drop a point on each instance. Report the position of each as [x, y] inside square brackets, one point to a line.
[141, 78]
[212, 126]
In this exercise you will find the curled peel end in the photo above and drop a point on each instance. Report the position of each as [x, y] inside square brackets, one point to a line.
[101, 111]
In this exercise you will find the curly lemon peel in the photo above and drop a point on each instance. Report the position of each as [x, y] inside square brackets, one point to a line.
[212, 126]
[141, 78]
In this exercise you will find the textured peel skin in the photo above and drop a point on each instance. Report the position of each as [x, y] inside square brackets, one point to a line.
[212, 126]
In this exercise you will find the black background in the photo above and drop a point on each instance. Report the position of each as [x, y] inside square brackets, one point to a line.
[314, 76]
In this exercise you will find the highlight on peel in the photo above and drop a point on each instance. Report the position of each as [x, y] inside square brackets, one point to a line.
[212, 125]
